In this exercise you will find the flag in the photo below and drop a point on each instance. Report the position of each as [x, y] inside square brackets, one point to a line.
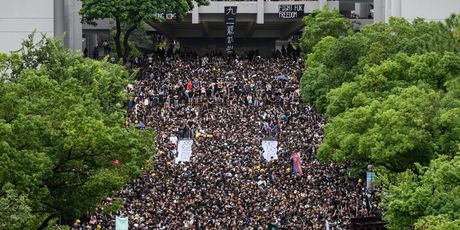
[370, 185]
[121, 223]
[296, 163]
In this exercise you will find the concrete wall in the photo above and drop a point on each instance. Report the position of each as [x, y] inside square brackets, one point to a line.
[73, 26]
[67, 21]
[18, 18]
[379, 10]
[429, 9]
[101, 25]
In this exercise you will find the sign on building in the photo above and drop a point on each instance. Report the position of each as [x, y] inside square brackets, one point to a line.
[291, 11]
[230, 24]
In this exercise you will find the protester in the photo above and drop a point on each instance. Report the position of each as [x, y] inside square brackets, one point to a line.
[228, 106]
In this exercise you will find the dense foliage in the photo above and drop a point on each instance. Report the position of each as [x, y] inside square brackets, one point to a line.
[387, 92]
[391, 93]
[395, 113]
[429, 198]
[61, 128]
[336, 60]
[129, 15]
[320, 24]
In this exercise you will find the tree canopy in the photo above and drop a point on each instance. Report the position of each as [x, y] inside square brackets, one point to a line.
[61, 128]
[391, 95]
[428, 198]
[322, 23]
[396, 113]
[337, 60]
[130, 14]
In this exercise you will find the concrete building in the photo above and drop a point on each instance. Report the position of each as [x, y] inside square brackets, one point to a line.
[382, 10]
[432, 10]
[259, 23]
[19, 18]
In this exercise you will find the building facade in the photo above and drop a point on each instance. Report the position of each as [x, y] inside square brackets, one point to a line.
[432, 10]
[19, 18]
[258, 23]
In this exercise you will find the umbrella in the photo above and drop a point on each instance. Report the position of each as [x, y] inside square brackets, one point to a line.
[282, 77]
[141, 125]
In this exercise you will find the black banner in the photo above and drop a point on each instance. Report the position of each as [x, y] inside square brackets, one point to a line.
[291, 11]
[230, 23]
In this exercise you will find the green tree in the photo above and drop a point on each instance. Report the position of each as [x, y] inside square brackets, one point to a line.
[394, 101]
[333, 62]
[320, 24]
[452, 29]
[386, 40]
[342, 59]
[434, 69]
[431, 124]
[130, 14]
[428, 198]
[60, 130]
[448, 121]
[14, 208]
[438, 222]
[394, 132]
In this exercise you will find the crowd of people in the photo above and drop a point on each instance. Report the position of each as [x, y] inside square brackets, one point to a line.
[227, 107]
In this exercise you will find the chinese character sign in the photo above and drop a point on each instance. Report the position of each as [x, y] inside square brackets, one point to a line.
[230, 19]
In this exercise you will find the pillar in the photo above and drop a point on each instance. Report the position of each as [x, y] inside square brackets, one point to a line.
[91, 42]
[362, 9]
[379, 10]
[322, 4]
[72, 25]
[195, 14]
[396, 8]
[58, 18]
[387, 10]
[260, 11]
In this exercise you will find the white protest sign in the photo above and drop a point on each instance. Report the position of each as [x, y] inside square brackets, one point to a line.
[184, 149]
[270, 150]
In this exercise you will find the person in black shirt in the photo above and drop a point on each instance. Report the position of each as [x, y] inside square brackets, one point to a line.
[227, 184]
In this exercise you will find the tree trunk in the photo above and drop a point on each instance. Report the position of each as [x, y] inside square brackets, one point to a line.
[126, 47]
[45, 222]
[117, 38]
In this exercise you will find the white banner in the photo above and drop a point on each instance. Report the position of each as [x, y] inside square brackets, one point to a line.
[121, 223]
[270, 150]
[184, 150]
